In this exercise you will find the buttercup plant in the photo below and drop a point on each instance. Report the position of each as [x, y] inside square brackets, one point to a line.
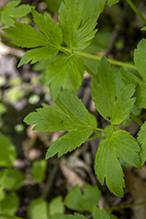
[76, 29]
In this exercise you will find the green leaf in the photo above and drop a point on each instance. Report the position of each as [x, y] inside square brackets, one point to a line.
[14, 94]
[99, 43]
[92, 7]
[75, 200]
[104, 89]
[139, 58]
[11, 179]
[112, 2]
[104, 94]
[77, 30]
[65, 70]
[144, 28]
[140, 88]
[142, 140]
[9, 204]
[37, 209]
[123, 104]
[38, 170]
[48, 119]
[120, 145]
[70, 115]
[56, 206]
[100, 214]
[10, 11]
[53, 5]
[58, 216]
[75, 216]
[48, 42]
[95, 5]
[9, 216]
[8, 152]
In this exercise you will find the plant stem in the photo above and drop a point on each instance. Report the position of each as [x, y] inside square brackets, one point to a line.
[142, 116]
[98, 58]
[10, 216]
[113, 127]
[136, 11]
[126, 206]
[136, 119]
[4, 35]
[101, 130]
[90, 72]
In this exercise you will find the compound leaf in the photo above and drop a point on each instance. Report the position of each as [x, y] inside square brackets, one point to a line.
[75, 200]
[75, 216]
[104, 89]
[70, 115]
[8, 152]
[48, 43]
[10, 11]
[104, 94]
[77, 30]
[123, 104]
[100, 214]
[48, 119]
[142, 140]
[9, 205]
[112, 2]
[143, 29]
[11, 179]
[63, 71]
[38, 170]
[139, 58]
[37, 209]
[119, 145]
[56, 206]
[140, 87]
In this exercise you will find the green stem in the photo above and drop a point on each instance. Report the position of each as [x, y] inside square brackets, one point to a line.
[136, 11]
[4, 35]
[65, 50]
[98, 58]
[142, 116]
[126, 206]
[90, 72]
[136, 119]
[101, 130]
[9, 216]
[113, 127]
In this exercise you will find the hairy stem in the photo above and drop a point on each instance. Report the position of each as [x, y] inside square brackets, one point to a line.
[136, 11]
[98, 58]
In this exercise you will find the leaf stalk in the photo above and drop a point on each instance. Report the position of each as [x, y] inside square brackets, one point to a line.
[126, 206]
[136, 11]
[98, 58]
[101, 130]
[10, 216]
[136, 119]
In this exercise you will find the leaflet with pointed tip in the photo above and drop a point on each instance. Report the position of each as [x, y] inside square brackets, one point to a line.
[112, 108]
[119, 145]
[45, 45]
[70, 115]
